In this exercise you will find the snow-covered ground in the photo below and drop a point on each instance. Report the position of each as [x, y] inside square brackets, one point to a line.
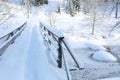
[114, 78]
[98, 52]
[11, 16]
[29, 59]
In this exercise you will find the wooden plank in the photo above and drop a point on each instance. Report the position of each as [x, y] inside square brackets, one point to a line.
[74, 57]
[66, 66]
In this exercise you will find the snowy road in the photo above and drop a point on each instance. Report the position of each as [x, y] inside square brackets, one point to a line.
[27, 58]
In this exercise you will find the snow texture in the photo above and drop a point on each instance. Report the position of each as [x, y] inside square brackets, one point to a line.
[29, 59]
[104, 56]
[115, 78]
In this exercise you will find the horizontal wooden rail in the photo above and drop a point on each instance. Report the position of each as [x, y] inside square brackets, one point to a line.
[16, 28]
[11, 37]
[53, 31]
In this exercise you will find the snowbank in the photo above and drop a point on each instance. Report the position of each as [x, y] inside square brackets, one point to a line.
[100, 51]
[85, 44]
[2, 40]
[103, 56]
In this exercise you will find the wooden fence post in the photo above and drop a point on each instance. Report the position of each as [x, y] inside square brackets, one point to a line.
[60, 52]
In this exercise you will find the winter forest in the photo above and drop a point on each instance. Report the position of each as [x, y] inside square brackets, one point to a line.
[59, 39]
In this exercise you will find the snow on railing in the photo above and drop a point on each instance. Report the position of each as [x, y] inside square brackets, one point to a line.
[55, 38]
[9, 37]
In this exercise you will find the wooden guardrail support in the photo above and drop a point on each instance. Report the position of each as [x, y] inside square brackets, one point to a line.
[11, 36]
[60, 52]
[54, 37]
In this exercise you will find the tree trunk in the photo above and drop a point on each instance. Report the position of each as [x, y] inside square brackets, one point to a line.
[93, 25]
[116, 11]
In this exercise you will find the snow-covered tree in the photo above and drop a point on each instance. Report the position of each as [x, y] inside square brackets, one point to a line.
[39, 2]
[27, 3]
[73, 6]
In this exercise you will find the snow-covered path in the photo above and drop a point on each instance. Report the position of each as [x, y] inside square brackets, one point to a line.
[13, 60]
[27, 58]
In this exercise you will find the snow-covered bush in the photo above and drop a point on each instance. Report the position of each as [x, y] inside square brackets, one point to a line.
[104, 56]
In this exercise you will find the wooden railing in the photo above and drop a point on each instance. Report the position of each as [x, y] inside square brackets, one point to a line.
[55, 38]
[10, 37]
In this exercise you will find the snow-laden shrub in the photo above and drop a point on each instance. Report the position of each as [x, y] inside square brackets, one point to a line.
[94, 46]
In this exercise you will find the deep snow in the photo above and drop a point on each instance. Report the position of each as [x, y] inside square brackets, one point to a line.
[115, 78]
[77, 31]
[31, 61]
